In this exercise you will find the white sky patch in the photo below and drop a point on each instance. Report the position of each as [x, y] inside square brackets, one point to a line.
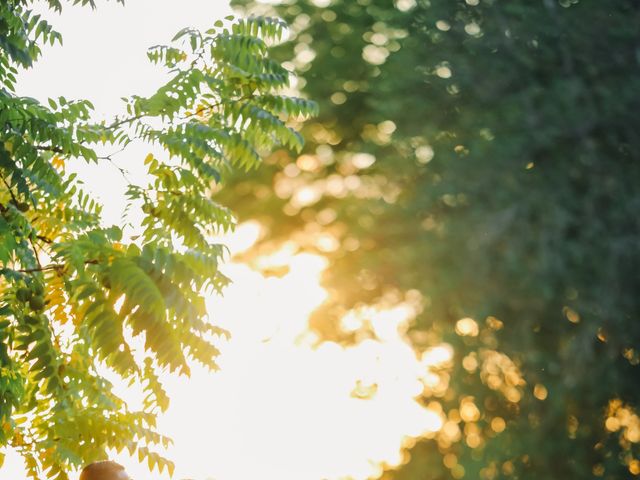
[104, 58]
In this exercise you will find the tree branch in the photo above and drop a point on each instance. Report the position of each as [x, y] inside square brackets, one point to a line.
[53, 266]
[49, 148]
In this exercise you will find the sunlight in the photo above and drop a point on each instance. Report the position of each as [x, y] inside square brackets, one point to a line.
[319, 240]
[281, 406]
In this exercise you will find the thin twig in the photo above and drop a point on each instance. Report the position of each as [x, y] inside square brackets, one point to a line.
[49, 148]
[35, 251]
[15, 200]
[53, 266]
[13, 197]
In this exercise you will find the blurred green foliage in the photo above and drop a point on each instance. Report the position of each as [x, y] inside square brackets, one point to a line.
[486, 155]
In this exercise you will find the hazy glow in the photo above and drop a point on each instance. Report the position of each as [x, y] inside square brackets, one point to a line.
[279, 408]
[282, 407]
[467, 327]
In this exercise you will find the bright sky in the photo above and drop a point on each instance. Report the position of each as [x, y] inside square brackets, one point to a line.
[278, 408]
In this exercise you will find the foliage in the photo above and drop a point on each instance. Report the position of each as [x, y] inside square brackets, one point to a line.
[82, 301]
[484, 154]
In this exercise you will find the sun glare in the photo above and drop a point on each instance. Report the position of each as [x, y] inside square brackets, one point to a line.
[285, 405]
[282, 405]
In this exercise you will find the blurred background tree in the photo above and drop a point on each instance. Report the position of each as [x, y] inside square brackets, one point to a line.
[482, 156]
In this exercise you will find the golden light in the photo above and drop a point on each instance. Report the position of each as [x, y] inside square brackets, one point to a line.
[572, 315]
[280, 407]
[498, 424]
[623, 418]
[470, 362]
[540, 391]
[284, 405]
[467, 327]
[469, 412]
[438, 355]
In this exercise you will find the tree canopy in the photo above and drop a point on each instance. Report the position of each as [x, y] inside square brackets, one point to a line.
[481, 155]
[80, 299]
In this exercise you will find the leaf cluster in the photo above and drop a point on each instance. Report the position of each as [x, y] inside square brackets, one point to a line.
[79, 298]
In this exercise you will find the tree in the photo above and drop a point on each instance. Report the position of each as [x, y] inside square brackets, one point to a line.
[481, 153]
[81, 299]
